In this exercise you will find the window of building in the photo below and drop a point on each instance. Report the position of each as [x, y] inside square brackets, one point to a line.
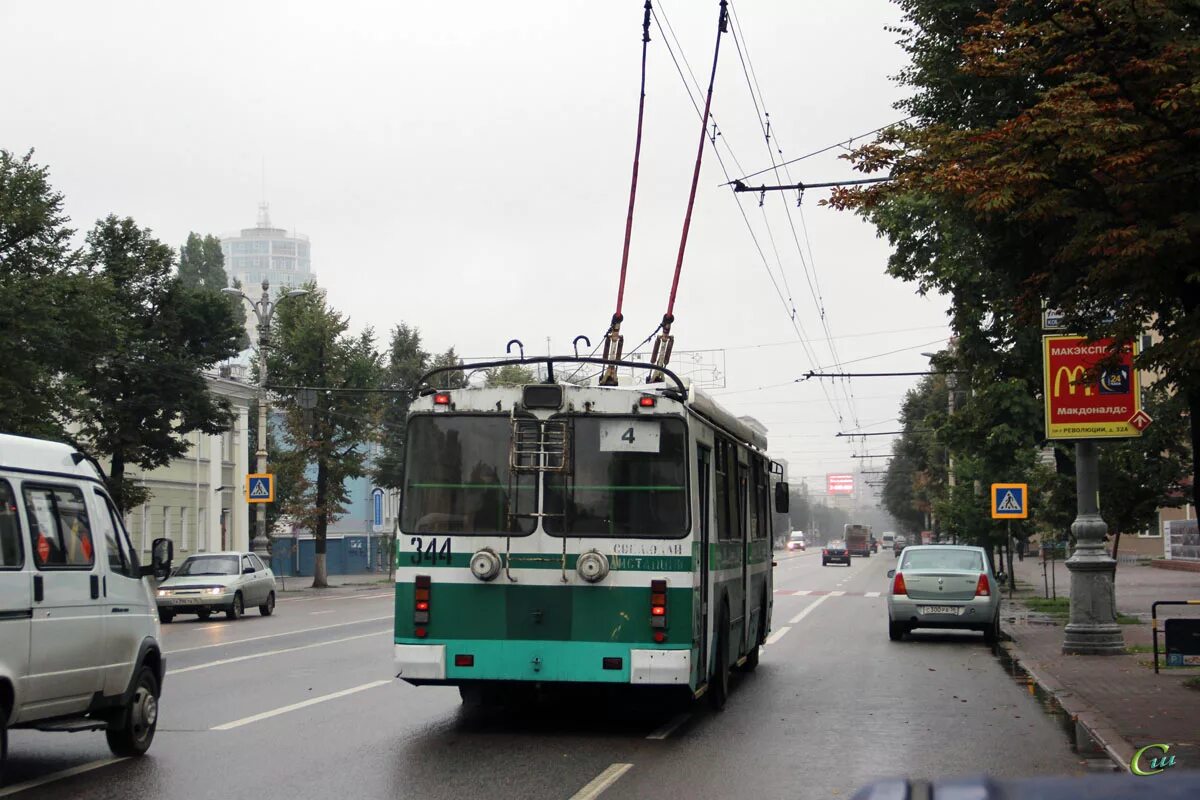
[59, 527]
[1151, 532]
[12, 552]
[201, 529]
[283, 247]
[184, 533]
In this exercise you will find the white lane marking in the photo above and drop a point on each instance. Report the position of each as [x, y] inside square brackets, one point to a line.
[601, 782]
[253, 656]
[669, 727]
[836, 594]
[872, 594]
[237, 723]
[808, 610]
[277, 635]
[776, 636]
[316, 613]
[58, 776]
[362, 596]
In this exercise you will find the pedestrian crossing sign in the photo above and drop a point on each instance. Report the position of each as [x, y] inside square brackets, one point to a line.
[260, 488]
[1010, 501]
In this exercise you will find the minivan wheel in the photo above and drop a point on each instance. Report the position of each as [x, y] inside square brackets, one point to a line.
[138, 720]
[237, 609]
[268, 607]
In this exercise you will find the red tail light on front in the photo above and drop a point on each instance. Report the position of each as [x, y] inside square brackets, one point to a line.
[898, 586]
[983, 588]
[421, 602]
[658, 605]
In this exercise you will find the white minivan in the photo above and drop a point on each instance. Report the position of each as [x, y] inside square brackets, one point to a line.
[79, 634]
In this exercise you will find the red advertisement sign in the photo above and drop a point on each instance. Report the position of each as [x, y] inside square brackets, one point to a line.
[839, 484]
[1083, 402]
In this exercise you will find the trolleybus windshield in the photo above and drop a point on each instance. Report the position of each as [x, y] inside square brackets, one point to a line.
[457, 478]
[628, 477]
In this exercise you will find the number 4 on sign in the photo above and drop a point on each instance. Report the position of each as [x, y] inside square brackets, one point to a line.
[627, 436]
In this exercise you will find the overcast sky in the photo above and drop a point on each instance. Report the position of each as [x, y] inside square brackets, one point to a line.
[464, 167]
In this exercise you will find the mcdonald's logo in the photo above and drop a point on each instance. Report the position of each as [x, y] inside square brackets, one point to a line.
[1072, 375]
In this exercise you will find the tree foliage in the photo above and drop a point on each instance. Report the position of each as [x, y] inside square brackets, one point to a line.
[310, 346]
[45, 312]
[202, 265]
[1051, 156]
[143, 388]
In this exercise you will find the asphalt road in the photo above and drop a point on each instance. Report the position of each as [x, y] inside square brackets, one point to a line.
[303, 704]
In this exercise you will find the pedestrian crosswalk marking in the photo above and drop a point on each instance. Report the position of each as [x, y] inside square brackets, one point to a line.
[1010, 503]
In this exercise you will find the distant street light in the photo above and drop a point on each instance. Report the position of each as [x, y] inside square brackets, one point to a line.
[264, 310]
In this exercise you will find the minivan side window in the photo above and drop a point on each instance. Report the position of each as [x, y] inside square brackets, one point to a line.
[59, 527]
[118, 561]
[12, 554]
[132, 569]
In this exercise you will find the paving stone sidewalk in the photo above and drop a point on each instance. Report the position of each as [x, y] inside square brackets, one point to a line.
[1118, 700]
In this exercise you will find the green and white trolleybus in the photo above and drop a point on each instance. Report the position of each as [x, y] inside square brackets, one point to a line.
[559, 534]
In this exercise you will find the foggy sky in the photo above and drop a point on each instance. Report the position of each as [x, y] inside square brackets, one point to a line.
[465, 167]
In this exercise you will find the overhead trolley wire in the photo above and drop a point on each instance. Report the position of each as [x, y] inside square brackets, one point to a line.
[664, 25]
[810, 275]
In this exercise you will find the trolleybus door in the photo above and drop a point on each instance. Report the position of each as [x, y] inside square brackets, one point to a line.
[704, 480]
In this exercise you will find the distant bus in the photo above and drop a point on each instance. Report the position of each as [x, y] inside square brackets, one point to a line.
[858, 539]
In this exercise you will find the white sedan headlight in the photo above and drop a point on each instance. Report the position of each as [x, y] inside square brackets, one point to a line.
[215, 590]
[164, 592]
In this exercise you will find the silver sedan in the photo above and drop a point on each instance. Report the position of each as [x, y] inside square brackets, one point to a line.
[944, 586]
[208, 582]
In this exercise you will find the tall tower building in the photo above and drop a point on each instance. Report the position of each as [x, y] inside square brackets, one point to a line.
[265, 253]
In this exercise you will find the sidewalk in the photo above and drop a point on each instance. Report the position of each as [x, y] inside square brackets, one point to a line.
[299, 585]
[1117, 700]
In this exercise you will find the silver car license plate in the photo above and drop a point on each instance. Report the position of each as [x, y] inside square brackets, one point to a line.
[955, 610]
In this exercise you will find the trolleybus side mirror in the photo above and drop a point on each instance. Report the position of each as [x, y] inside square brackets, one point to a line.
[782, 498]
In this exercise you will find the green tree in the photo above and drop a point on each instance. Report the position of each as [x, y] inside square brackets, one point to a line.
[46, 320]
[143, 388]
[310, 346]
[509, 375]
[1061, 138]
[407, 362]
[202, 265]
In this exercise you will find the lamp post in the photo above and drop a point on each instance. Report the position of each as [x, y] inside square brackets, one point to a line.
[263, 310]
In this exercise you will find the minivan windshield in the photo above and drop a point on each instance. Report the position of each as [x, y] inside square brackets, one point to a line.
[209, 565]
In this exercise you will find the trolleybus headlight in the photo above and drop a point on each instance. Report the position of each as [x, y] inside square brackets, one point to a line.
[485, 565]
[592, 566]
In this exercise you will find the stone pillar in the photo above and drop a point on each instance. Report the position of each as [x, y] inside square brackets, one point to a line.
[240, 523]
[212, 536]
[1093, 628]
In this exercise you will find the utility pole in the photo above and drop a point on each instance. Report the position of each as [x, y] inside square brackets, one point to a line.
[263, 310]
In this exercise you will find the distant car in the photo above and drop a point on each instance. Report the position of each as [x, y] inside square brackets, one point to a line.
[835, 552]
[874, 545]
[898, 544]
[208, 582]
[888, 540]
[796, 541]
[944, 586]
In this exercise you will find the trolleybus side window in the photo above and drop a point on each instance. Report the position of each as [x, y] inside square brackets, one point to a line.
[458, 480]
[726, 517]
[628, 477]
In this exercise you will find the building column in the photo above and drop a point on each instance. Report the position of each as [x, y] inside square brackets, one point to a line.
[241, 461]
[212, 536]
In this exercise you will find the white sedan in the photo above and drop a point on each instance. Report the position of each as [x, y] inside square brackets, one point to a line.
[208, 582]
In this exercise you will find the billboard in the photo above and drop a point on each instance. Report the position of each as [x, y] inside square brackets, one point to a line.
[839, 484]
[1083, 402]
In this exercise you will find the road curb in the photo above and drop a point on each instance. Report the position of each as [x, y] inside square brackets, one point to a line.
[1094, 723]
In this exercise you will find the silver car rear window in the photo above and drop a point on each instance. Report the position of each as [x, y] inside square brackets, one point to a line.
[943, 559]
